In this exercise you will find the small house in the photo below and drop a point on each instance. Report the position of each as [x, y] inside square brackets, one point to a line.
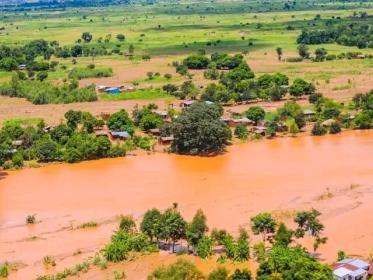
[351, 269]
[102, 88]
[21, 67]
[186, 103]
[166, 140]
[308, 113]
[261, 130]
[123, 135]
[113, 90]
[162, 114]
[328, 122]
[243, 121]
[154, 131]
[17, 143]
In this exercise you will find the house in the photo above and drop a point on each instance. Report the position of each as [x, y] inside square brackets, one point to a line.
[162, 114]
[350, 269]
[21, 67]
[328, 122]
[261, 130]
[166, 140]
[243, 121]
[113, 90]
[154, 131]
[119, 134]
[308, 113]
[186, 103]
[102, 88]
[17, 143]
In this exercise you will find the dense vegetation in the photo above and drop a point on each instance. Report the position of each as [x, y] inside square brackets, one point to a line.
[71, 141]
[352, 34]
[164, 229]
[42, 92]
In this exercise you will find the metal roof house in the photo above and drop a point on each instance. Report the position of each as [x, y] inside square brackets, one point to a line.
[351, 269]
[120, 134]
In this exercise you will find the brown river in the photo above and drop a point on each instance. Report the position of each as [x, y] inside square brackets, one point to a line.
[280, 176]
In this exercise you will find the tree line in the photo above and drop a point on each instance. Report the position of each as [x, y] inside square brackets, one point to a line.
[277, 253]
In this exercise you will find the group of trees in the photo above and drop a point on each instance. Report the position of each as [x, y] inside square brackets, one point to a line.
[236, 81]
[352, 34]
[164, 229]
[146, 118]
[72, 141]
[41, 92]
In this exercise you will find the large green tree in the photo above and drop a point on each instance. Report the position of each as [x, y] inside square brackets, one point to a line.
[200, 131]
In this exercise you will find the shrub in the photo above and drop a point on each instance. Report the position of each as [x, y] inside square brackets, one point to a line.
[318, 130]
[49, 261]
[294, 59]
[196, 62]
[181, 269]
[204, 247]
[241, 132]
[220, 273]
[31, 219]
[4, 270]
[335, 128]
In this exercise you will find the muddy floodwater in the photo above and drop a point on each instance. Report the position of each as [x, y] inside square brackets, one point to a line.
[333, 174]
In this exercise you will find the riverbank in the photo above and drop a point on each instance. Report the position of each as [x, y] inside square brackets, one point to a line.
[280, 176]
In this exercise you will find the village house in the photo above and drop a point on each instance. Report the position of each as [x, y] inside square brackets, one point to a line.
[186, 103]
[123, 135]
[351, 269]
[166, 140]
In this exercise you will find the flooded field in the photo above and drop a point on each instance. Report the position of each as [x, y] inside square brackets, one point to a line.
[279, 176]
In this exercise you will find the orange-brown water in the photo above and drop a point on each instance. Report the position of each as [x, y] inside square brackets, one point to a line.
[278, 175]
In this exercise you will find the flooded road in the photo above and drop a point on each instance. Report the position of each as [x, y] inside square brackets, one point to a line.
[280, 176]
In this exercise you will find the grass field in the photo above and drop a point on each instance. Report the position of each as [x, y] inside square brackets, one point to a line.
[145, 94]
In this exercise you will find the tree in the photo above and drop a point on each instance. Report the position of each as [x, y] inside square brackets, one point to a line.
[200, 131]
[243, 247]
[255, 114]
[151, 223]
[320, 54]
[173, 226]
[196, 62]
[197, 228]
[364, 120]
[46, 149]
[204, 247]
[120, 121]
[301, 87]
[293, 264]
[264, 224]
[73, 118]
[341, 255]
[308, 221]
[181, 269]
[87, 37]
[279, 53]
[303, 51]
[41, 76]
[283, 236]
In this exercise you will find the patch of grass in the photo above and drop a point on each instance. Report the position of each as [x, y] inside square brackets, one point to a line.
[23, 121]
[49, 261]
[100, 261]
[141, 94]
[325, 196]
[342, 87]
[118, 275]
[90, 224]
[4, 270]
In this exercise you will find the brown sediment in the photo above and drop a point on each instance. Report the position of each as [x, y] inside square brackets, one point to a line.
[280, 176]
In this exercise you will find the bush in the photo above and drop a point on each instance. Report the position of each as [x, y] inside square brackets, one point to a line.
[241, 132]
[196, 62]
[4, 270]
[181, 269]
[335, 128]
[294, 59]
[204, 247]
[220, 273]
[31, 219]
[318, 130]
